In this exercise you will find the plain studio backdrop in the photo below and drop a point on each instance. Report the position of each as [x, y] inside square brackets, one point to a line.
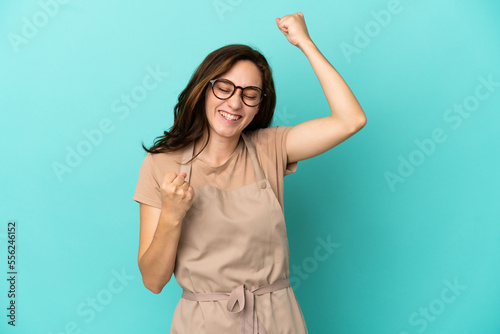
[395, 230]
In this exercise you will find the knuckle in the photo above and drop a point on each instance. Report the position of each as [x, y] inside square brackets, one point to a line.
[170, 175]
[171, 188]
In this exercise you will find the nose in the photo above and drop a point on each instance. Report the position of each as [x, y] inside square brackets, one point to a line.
[236, 101]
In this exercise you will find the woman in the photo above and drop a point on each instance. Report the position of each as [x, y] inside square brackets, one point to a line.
[211, 190]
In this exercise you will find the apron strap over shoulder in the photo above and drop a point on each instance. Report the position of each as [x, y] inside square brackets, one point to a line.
[252, 151]
[186, 156]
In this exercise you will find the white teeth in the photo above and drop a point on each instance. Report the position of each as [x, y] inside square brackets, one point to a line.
[229, 117]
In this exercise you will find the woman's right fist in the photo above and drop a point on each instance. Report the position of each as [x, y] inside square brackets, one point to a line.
[177, 195]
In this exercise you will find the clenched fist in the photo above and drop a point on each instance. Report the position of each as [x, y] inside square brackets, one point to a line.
[294, 27]
[177, 196]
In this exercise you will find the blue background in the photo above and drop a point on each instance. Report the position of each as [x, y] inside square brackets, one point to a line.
[399, 244]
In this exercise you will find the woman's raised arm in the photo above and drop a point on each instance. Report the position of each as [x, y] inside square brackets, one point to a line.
[315, 136]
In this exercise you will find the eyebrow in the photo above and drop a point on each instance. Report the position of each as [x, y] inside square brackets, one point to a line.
[240, 86]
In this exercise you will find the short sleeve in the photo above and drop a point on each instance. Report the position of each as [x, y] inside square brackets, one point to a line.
[271, 147]
[282, 133]
[147, 190]
[270, 144]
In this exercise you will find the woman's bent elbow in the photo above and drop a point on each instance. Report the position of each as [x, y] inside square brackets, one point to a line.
[154, 290]
[154, 287]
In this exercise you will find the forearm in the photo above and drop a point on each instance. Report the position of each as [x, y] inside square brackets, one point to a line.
[158, 262]
[343, 104]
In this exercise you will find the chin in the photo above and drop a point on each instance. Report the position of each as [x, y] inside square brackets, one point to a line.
[226, 133]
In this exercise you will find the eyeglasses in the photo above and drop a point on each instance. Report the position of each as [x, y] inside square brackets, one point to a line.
[223, 89]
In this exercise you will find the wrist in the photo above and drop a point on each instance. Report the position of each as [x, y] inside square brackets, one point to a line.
[306, 45]
[169, 218]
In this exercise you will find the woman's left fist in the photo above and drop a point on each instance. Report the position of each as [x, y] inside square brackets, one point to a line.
[293, 26]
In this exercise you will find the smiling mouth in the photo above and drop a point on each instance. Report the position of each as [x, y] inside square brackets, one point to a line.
[228, 116]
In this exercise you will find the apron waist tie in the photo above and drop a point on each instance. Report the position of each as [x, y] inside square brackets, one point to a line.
[250, 323]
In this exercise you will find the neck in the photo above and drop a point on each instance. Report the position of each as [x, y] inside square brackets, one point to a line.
[218, 149]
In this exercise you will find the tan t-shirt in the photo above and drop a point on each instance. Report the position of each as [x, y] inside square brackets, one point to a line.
[236, 172]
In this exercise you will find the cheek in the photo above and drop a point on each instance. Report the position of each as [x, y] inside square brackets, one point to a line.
[258, 112]
[211, 101]
[253, 117]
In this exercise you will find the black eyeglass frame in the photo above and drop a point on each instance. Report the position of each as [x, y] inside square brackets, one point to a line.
[262, 94]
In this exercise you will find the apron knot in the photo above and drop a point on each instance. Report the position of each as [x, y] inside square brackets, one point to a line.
[246, 309]
[250, 323]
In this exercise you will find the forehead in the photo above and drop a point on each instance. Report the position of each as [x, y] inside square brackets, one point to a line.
[244, 73]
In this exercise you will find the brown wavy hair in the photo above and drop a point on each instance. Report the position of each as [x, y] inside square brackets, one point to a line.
[190, 119]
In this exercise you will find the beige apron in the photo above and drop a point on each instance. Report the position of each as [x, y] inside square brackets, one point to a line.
[233, 249]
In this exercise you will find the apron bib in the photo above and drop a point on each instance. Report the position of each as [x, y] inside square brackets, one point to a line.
[233, 249]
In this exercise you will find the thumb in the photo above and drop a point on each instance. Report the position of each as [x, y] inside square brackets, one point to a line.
[284, 29]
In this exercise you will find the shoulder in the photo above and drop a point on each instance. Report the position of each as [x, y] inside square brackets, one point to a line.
[272, 135]
[169, 157]
[161, 163]
[270, 143]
